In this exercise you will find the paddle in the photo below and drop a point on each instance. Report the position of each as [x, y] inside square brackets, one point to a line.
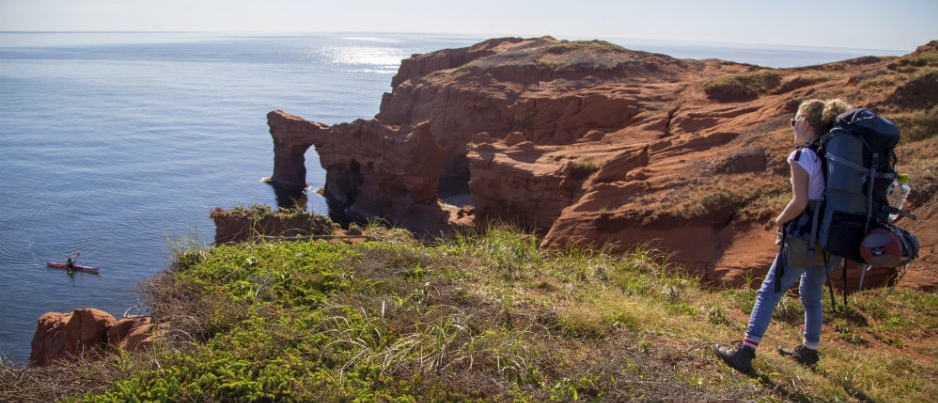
[69, 263]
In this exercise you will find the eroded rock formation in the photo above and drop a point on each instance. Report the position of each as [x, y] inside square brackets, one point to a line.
[291, 141]
[87, 333]
[590, 144]
[373, 170]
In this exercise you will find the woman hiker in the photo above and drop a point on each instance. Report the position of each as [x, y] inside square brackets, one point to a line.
[813, 118]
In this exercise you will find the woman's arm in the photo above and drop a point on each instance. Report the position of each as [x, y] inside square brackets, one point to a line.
[799, 196]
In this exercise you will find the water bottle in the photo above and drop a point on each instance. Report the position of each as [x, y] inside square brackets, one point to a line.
[897, 193]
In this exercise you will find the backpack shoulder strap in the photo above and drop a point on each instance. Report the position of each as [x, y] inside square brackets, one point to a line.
[801, 146]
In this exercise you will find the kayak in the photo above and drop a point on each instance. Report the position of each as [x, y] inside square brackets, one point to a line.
[75, 267]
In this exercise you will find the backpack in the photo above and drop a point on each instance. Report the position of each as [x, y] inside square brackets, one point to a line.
[859, 166]
[859, 160]
[852, 222]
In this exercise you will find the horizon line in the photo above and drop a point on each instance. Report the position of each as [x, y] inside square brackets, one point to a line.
[482, 37]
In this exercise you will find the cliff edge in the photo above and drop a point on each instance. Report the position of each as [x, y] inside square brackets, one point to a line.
[587, 143]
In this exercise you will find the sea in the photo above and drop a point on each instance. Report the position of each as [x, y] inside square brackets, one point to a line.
[115, 146]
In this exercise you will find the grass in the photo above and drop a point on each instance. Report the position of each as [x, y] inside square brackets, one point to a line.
[479, 317]
[742, 86]
[914, 63]
[917, 126]
[698, 199]
[583, 169]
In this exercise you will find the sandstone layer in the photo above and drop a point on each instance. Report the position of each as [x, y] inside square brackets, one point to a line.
[590, 144]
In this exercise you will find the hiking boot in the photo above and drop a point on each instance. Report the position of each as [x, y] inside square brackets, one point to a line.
[805, 356]
[739, 357]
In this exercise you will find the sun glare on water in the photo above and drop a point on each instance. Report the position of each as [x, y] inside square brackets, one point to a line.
[374, 56]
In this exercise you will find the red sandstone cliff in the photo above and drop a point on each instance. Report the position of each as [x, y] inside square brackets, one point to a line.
[588, 143]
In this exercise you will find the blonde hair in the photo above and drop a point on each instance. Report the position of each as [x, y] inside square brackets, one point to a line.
[821, 114]
[832, 109]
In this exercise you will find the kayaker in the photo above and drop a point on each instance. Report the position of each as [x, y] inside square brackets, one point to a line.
[70, 263]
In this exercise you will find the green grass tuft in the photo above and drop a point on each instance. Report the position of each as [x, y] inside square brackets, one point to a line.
[742, 86]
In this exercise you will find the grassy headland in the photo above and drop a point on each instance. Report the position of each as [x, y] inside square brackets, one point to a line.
[480, 317]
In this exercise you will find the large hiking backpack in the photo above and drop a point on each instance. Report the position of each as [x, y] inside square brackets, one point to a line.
[859, 166]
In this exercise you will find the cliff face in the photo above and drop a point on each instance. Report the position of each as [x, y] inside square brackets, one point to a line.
[591, 144]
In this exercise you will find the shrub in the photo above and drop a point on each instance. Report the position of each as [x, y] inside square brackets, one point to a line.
[742, 86]
[583, 169]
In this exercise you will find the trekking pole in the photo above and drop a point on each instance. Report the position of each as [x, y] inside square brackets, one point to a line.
[830, 285]
[781, 260]
[863, 268]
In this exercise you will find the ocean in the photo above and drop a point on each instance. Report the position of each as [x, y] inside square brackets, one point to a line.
[118, 145]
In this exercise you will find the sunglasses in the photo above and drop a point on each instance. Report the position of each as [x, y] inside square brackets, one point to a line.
[794, 120]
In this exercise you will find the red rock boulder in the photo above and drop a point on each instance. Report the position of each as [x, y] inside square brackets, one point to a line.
[86, 333]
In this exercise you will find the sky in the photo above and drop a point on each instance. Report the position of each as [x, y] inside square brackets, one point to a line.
[865, 24]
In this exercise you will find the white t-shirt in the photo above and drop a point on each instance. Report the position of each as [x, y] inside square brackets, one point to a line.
[809, 160]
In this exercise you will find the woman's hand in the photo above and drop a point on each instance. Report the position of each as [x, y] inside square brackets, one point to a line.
[799, 197]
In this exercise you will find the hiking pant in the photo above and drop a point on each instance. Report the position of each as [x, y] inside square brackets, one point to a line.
[811, 289]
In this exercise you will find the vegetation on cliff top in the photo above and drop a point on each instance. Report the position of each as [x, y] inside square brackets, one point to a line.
[479, 318]
[742, 86]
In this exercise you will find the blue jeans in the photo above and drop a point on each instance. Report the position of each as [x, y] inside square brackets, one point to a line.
[811, 290]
